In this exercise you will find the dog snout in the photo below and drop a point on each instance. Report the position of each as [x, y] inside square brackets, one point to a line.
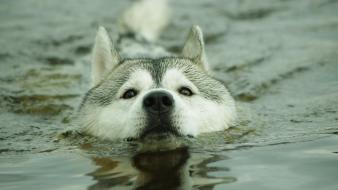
[158, 102]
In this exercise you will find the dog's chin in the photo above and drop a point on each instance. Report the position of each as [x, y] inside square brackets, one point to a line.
[156, 136]
[153, 141]
[159, 132]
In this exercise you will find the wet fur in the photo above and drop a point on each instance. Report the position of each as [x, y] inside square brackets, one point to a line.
[104, 114]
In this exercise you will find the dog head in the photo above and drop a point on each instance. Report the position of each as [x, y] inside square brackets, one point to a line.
[151, 98]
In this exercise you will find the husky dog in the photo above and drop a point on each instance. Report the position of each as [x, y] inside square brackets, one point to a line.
[152, 97]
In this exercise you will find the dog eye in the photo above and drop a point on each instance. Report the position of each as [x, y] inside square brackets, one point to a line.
[185, 91]
[129, 94]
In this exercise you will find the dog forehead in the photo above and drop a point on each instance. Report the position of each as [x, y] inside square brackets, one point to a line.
[140, 78]
[157, 68]
[174, 77]
[171, 73]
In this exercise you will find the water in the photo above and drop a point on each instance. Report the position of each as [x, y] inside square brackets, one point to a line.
[49, 171]
[279, 59]
[302, 165]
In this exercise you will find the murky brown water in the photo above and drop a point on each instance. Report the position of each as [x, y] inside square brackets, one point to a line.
[279, 58]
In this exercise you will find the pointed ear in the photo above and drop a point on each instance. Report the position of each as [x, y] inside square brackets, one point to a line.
[105, 56]
[194, 48]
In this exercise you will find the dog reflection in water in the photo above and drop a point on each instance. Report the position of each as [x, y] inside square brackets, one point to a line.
[157, 170]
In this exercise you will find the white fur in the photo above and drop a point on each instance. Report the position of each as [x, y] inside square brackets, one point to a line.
[122, 118]
[140, 80]
[197, 114]
[191, 115]
[174, 79]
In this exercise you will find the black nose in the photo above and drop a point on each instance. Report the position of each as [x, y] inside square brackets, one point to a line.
[158, 102]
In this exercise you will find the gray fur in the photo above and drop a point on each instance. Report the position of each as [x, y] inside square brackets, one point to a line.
[104, 93]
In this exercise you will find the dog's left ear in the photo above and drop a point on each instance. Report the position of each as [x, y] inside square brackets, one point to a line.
[194, 48]
[105, 56]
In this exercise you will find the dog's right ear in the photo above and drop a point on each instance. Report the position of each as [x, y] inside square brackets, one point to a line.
[105, 57]
[194, 48]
